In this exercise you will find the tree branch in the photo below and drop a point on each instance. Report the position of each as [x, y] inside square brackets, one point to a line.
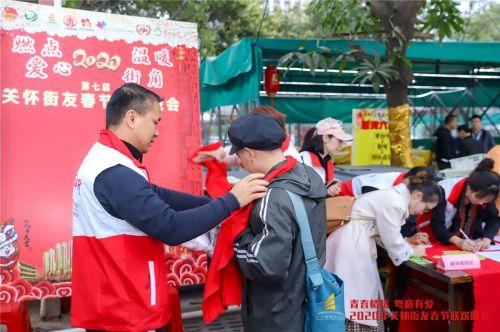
[179, 9]
[423, 35]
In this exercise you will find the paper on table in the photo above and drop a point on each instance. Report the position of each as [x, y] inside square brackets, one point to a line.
[493, 247]
[494, 255]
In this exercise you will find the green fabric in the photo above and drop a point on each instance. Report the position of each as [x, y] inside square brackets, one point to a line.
[430, 50]
[311, 110]
[234, 77]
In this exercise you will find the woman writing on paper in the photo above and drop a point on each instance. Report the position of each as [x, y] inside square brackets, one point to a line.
[351, 250]
[467, 206]
[365, 183]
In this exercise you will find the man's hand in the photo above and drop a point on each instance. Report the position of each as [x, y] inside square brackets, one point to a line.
[418, 238]
[250, 188]
[203, 156]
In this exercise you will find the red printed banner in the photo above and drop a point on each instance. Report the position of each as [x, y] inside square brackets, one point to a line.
[59, 68]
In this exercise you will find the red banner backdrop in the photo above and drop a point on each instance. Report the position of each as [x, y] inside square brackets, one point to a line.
[59, 68]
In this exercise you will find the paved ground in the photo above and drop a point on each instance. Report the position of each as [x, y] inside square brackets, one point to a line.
[191, 313]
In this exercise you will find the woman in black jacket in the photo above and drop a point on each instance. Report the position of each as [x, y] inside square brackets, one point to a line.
[468, 207]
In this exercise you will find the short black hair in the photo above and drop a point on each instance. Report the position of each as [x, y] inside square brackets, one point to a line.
[475, 116]
[464, 128]
[129, 96]
[450, 117]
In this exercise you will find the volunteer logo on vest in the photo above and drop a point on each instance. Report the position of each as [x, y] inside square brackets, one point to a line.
[330, 303]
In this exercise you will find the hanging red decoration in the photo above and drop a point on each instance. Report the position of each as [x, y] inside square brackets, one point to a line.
[271, 80]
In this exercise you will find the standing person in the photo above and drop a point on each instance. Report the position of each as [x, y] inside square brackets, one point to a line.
[365, 183]
[480, 134]
[445, 147]
[267, 248]
[222, 154]
[466, 144]
[320, 142]
[376, 219]
[467, 205]
[121, 221]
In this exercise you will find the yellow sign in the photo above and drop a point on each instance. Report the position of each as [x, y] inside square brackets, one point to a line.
[371, 144]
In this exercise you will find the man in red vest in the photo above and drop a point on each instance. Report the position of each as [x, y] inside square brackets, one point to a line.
[121, 221]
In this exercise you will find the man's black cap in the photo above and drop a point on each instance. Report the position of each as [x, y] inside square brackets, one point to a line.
[256, 131]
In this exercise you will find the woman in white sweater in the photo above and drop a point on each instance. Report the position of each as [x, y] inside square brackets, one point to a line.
[351, 251]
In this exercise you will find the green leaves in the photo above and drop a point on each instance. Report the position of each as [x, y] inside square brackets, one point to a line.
[321, 59]
[372, 69]
[442, 17]
[377, 71]
[343, 17]
[313, 60]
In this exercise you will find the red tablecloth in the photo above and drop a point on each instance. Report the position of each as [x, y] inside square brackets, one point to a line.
[486, 290]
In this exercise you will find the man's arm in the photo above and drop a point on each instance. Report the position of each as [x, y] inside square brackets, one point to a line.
[126, 195]
[266, 256]
[179, 201]
[488, 141]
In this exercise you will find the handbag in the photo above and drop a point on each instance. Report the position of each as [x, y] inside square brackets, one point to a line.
[338, 212]
[324, 290]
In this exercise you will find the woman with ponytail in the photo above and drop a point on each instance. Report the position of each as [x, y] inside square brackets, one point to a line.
[376, 218]
[467, 206]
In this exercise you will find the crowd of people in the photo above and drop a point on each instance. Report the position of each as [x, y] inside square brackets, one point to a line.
[455, 141]
[399, 211]
[259, 261]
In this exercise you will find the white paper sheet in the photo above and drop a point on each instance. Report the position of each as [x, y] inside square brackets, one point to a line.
[494, 255]
[493, 247]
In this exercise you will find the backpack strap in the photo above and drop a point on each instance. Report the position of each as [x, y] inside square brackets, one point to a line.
[312, 263]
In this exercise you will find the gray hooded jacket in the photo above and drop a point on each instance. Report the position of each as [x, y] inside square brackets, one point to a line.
[269, 252]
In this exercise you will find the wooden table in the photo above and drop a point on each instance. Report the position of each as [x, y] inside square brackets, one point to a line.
[455, 288]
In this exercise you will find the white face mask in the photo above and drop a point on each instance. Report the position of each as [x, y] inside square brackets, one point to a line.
[454, 133]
